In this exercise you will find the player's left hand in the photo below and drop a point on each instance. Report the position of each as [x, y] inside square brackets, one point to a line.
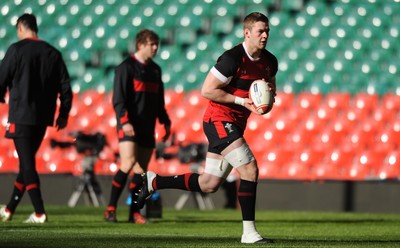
[167, 132]
[61, 123]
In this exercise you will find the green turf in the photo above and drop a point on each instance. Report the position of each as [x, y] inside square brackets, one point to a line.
[84, 227]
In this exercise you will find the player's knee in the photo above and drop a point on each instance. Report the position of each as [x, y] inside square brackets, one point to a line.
[249, 171]
[127, 164]
[210, 188]
[209, 184]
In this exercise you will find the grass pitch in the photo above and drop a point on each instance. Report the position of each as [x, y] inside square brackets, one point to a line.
[84, 227]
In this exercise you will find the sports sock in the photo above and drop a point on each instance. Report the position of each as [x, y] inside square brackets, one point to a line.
[134, 186]
[247, 199]
[118, 184]
[36, 198]
[18, 192]
[188, 182]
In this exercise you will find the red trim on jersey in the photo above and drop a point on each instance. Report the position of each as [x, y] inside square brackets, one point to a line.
[120, 134]
[187, 176]
[245, 194]
[140, 86]
[19, 186]
[220, 129]
[32, 38]
[11, 129]
[32, 186]
[124, 119]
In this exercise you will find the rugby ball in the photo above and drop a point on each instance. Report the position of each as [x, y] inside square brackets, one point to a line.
[261, 96]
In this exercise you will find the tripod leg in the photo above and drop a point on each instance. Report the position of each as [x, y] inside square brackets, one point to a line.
[92, 195]
[200, 201]
[182, 200]
[75, 196]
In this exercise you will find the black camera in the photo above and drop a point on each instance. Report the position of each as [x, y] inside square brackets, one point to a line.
[192, 153]
[91, 144]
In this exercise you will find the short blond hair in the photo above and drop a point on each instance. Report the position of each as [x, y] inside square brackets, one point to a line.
[252, 18]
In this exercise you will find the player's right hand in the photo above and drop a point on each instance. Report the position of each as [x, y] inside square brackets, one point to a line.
[61, 123]
[248, 103]
[128, 130]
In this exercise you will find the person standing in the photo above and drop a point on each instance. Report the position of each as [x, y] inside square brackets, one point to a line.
[138, 102]
[36, 76]
[227, 88]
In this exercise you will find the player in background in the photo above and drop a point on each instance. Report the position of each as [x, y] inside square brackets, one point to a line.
[138, 102]
[227, 86]
[35, 75]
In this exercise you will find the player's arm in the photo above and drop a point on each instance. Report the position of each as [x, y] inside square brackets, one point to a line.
[162, 113]
[7, 70]
[213, 90]
[65, 95]
[119, 99]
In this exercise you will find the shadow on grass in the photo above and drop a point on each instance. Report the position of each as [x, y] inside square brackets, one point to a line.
[162, 241]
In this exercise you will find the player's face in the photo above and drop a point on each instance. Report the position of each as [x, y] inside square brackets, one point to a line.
[149, 49]
[258, 35]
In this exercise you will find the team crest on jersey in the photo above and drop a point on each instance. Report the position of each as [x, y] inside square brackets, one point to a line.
[228, 128]
[268, 70]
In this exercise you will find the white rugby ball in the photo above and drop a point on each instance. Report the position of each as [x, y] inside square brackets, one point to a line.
[261, 96]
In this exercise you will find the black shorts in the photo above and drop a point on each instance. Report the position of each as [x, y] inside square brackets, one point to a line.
[14, 130]
[144, 138]
[221, 134]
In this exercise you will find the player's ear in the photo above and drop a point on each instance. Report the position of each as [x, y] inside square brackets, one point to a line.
[246, 32]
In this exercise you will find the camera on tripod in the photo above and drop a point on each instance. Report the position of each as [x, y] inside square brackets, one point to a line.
[90, 144]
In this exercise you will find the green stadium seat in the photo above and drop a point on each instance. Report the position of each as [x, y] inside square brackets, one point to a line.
[315, 8]
[110, 58]
[226, 10]
[200, 9]
[257, 8]
[279, 20]
[222, 25]
[78, 53]
[76, 69]
[293, 5]
[185, 36]
[91, 78]
[169, 53]
[193, 19]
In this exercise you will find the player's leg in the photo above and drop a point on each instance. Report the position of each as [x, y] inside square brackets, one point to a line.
[215, 172]
[18, 191]
[26, 148]
[239, 155]
[127, 152]
[208, 182]
[143, 159]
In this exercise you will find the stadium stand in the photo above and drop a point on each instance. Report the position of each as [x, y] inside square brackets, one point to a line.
[337, 113]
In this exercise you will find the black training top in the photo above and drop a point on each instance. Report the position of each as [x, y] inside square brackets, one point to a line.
[139, 94]
[35, 74]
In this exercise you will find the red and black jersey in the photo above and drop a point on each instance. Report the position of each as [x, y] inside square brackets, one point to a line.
[139, 94]
[238, 68]
[36, 75]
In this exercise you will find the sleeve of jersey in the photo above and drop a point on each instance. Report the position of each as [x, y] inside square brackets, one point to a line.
[162, 112]
[65, 90]
[7, 70]
[120, 95]
[225, 68]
